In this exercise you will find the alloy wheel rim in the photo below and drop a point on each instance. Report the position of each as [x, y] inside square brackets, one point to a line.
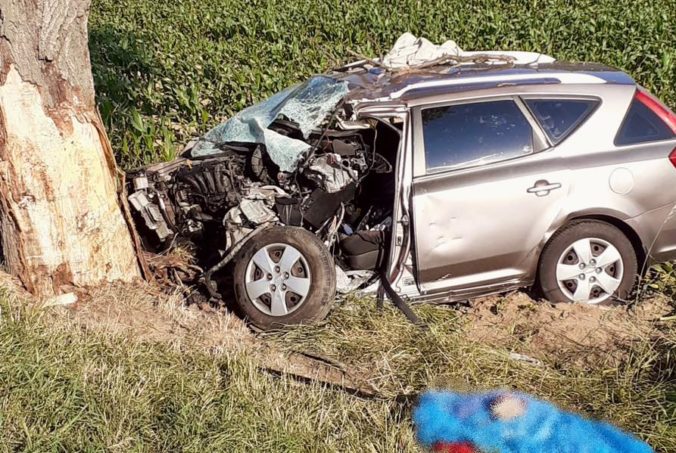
[278, 279]
[590, 271]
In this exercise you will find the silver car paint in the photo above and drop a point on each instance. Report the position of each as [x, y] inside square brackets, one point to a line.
[478, 230]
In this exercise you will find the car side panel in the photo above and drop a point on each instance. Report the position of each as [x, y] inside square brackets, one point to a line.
[664, 247]
[482, 226]
[635, 184]
[657, 228]
[632, 181]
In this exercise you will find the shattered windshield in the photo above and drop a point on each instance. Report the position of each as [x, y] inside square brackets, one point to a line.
[307, 104]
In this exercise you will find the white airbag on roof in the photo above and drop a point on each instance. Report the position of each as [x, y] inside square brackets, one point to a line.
[410, 51]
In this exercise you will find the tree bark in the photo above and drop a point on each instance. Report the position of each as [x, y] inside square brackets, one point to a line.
[61, 222]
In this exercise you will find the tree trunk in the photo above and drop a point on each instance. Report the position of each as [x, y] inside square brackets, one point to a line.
[60, 217]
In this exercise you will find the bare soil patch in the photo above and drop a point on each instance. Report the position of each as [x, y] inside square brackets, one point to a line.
[567, 334]
[143, 313]
[576, 332]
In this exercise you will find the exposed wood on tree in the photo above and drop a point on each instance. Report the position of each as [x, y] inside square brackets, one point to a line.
[60, 216]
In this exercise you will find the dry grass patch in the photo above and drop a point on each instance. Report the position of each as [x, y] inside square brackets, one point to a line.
[631, 384]
[128, 368]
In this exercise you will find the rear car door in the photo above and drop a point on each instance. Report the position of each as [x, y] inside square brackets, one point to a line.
[484, 196]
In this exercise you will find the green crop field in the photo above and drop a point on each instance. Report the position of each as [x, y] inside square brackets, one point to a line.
[167, 71]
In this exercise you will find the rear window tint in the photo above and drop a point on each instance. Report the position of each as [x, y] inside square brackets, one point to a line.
[642, 125]
[473, 134]
[560, 117]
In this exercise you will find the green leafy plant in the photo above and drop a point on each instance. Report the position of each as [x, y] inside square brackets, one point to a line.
[194, 63]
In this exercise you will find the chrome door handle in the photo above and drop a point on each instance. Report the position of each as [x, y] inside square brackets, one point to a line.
[542, 187]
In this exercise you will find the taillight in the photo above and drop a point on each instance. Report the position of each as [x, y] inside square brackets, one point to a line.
[657, 108]
[672, 157]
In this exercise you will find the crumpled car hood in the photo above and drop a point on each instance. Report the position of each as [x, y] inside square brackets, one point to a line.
[307, 104]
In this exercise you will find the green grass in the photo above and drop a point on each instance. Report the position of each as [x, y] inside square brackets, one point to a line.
[63, 388]
[167, 71]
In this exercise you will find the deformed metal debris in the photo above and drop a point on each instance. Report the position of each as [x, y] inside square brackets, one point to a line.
[61, 300]
[307, 105]
[526, 359]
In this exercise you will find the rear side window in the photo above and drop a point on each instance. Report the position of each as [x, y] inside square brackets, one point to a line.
[560, 117]
[473, 134]
[642, 125]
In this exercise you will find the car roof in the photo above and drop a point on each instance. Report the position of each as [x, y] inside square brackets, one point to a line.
[369, 84]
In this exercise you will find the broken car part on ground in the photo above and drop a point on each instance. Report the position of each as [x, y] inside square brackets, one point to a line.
[333, 183]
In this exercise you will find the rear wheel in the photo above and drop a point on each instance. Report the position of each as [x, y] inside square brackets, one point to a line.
[284, 276]
[590, 262]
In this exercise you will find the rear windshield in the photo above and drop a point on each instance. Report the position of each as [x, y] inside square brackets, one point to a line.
[560, 117]
[642, 125]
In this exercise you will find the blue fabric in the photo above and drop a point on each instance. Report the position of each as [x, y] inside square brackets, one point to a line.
[454, 417]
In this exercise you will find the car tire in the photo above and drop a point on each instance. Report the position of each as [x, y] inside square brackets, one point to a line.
[588, 261]
[284, 276]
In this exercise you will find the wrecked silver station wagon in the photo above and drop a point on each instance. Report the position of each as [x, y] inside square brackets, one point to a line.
[455, 175]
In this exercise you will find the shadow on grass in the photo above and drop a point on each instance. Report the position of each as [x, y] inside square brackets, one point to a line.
[122, 66]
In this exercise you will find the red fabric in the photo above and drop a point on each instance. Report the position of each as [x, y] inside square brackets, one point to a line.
[459, 447]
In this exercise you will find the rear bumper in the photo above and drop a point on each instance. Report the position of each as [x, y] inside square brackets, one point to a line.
[665, 242]
[657, 229]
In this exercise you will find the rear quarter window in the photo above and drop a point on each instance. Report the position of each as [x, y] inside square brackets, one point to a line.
[560, 117]
[642, 125]
[466, 135]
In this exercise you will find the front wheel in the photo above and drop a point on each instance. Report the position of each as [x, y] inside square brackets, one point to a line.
[590, 262]
[284, 276]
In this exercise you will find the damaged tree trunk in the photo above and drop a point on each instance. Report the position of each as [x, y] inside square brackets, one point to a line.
[60, 208]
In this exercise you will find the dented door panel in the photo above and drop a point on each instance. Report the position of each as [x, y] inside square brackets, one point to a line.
[483, 226]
